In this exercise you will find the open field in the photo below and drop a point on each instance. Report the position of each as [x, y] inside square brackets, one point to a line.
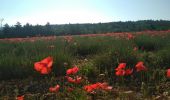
[112, 66]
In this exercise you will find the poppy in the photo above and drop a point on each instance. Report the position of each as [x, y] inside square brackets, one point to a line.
[128, 71]
[168, 73]
[44, 66]
[78, 80]
[105, 86]
[20, 97]
[120, 72]
[98, 85]
[130, 36]
[139, 66]
[73, 70]
[70, 79]
[88, 88]
[54, 89]
[121, 66]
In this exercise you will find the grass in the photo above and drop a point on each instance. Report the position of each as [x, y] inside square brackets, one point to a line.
[97, 57]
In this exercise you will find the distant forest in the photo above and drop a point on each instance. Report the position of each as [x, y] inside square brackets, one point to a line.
[29, 30]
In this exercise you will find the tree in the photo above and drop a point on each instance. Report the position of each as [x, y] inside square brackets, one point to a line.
[6, 29]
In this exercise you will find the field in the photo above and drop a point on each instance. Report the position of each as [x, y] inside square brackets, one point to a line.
[112, 66]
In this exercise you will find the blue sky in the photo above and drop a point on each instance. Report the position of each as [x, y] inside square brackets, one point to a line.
[82, 11]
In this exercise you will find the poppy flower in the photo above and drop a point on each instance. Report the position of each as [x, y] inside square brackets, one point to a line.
[88, 88]
[128, 71]
[73, 70]
[71, 80]
[130, 36]
[98, 85]
[104, 86]
[20, 97]
[121, 66]
[139, 66]
[54, 89]
[168, 73]
[120, 72]
[78, 80]
[44, 66]
[92, 87]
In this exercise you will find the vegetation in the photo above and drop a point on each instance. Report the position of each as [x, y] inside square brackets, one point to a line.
[145, 58]
[29, 30]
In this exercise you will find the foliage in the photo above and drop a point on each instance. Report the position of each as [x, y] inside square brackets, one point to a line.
[74, 29]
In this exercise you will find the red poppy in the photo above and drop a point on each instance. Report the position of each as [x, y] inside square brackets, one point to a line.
[130, 36]
[98, 85]
[88, 88]
[139, 66]
[44, 66]
[120, 72]
[54, 89]
[70, 79]
[121, 66]
[76, 81]
[20, 97]
[95, 86]
[73, 70]
[168, 73]
[128, 71]
[104, 86]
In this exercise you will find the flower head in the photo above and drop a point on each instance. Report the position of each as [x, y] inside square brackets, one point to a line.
[44, 66]
[120, 72]
[54, 89]
[73, 70]
[121, 66]
[20, 97]
[139, 66]
[168, 73]
[128, 71]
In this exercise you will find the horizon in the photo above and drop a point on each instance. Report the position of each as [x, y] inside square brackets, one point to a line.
[82, 11]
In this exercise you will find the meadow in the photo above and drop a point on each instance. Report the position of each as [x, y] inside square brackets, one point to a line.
[120, 66]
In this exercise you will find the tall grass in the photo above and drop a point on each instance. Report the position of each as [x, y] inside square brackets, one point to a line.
[105, 53]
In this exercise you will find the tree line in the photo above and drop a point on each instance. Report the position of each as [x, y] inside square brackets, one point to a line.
[74, 29]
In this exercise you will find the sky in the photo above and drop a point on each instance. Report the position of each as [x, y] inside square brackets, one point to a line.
[81, 11]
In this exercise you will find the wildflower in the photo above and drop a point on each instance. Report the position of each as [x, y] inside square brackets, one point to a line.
[120, 72]
[20, 97]
[96, 86]
[73, 70]
[70, 79]
[121, 66]
[128, 71]
[54, 89]
[139, 66]
[88, 88]
[104, 86]
[77, 80]
[168, 73]
[130, 36]
[44, 66]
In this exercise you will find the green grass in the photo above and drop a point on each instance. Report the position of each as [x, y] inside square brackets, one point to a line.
[103, 54]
